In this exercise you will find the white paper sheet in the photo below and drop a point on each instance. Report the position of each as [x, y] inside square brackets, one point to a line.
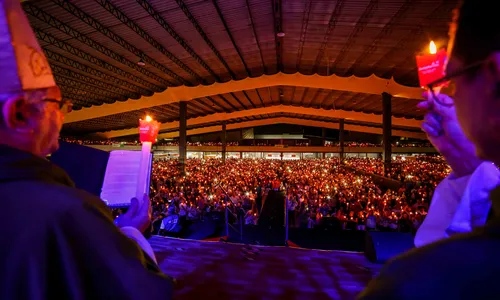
[120, 180]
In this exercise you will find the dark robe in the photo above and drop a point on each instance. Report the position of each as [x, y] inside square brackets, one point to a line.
[465, 266]
[59, 242]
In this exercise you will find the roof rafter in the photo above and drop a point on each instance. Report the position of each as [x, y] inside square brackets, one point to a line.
[248, 98]
[64, 81]
[217, 103]
[367, 85]
[383, 33]
[278, 109]
[239, 101]
[89, 81]
[415, 33]
[294, 121]
[76, 96]
[260, 98]
[199, 110]
[214, 107]
[256, 37]
[278, 28]
[159, 19]
[84, 17]
[413, 71]
[43, 36]
[331, 26]
[228, 102]
[75, 91]
[143, 34]
[360, 25]
[88, 70]
[221, 16]
[303, 32]
[199, 107]
[38, 13]
[204, 36]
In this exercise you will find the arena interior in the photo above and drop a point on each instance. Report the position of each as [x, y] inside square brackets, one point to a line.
[289, 130]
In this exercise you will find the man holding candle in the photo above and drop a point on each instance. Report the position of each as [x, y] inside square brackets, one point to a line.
[464, 266]
[70, 248]
[461, 201]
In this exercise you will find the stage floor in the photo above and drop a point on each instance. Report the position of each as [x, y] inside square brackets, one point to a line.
[216, 270]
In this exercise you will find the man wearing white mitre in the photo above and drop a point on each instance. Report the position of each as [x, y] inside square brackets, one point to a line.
[57, 242]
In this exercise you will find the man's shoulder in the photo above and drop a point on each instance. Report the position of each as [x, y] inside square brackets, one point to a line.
[454, 249]
[449, 259]
[465, 264]
[50, 196]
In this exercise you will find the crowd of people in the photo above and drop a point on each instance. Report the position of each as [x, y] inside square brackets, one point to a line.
[318, 191]
[365, 144]
[136, 143]
[300, 143]
[422, 168]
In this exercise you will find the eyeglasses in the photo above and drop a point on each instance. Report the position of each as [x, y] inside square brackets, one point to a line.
[65, 106]
[431, 86]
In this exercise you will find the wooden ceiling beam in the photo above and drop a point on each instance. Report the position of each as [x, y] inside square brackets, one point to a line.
[367, 85]
[295, 121]
[277, 109]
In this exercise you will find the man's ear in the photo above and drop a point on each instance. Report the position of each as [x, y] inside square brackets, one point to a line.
[15, 112]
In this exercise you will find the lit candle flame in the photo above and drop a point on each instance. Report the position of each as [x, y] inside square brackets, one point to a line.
[432, 47]
[149, 119]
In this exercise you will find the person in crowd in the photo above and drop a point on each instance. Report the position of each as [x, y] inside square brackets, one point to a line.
[70, 248]
[317, 189]
[465, 265]
[157, 222]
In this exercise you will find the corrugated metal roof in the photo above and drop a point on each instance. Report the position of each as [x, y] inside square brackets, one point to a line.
[94, 47]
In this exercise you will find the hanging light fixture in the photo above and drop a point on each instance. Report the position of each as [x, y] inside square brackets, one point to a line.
[141, 63]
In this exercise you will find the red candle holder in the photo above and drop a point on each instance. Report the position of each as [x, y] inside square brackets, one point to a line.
[148, 130]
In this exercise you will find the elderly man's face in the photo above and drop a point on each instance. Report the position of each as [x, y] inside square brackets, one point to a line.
[33, 122]
[49, 125]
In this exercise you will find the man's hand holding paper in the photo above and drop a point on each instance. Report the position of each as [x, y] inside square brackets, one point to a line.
[138, 215]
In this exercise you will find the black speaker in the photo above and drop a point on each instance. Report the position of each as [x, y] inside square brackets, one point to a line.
[200, 230]
[382, 246]
[273, 212]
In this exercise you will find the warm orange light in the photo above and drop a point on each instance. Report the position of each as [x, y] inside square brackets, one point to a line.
[149, 119]
[432, 47]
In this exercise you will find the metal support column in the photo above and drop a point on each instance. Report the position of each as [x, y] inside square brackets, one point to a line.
[223, 139]
[341, 139]
[323, 136]
[182, 136]
[387, 131]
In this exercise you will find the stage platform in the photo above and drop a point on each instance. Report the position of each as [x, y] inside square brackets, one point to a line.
[217, 270]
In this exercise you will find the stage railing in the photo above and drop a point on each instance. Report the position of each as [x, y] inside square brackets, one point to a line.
[241, 218]
[227, 212]
[286, 216]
